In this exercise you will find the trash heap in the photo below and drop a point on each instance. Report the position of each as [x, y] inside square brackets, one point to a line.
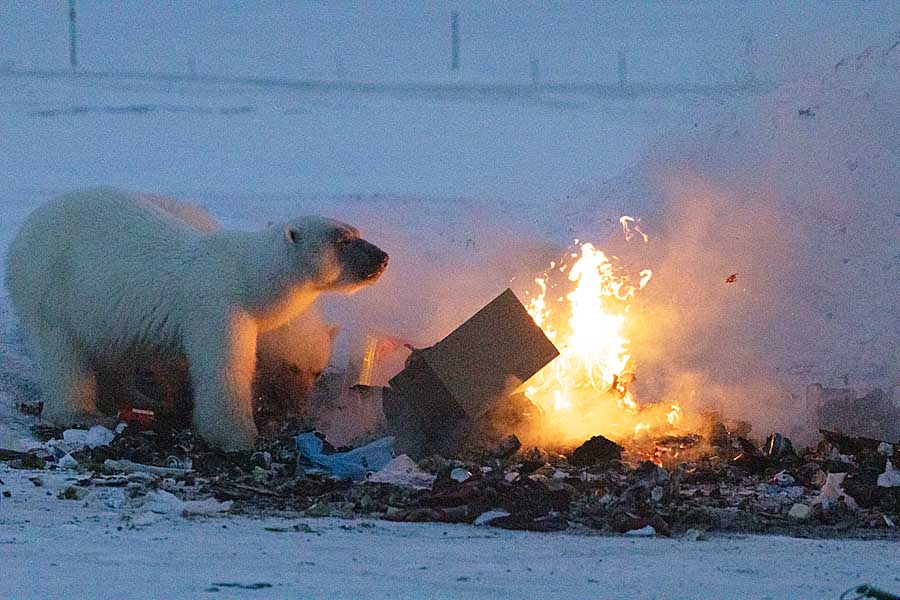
[721, 482]
[445, 451]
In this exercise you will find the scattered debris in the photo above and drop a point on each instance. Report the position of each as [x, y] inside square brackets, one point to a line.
[596, 451]
[784, 479]
[32, 409]
[12, 454]
[239, 586]
[777, 446]
[459, 474]
[890, 478]
[800, 512]
[73, 493]
[867, 591]
[485, 518]
[833, 494]
[354, 464]
[67, 462]
[163, 502]
[137, 417]
[874, 416]
[33, 460]
[403, 471]
[126, 466]
[695, 535]
[506, 447]
[851, 444]
[684, 485]
[645, 531]
[295, 528]
[98, 435]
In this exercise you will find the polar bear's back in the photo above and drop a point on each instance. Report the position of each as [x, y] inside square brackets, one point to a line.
[96, 262]
[191, 214]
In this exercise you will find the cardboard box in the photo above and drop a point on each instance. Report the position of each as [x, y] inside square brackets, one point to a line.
[469, 371]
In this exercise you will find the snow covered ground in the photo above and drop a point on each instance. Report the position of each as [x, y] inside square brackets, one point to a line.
[469, 197]
[93, 548]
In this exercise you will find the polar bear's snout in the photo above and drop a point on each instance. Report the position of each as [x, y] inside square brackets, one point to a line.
[365, 261]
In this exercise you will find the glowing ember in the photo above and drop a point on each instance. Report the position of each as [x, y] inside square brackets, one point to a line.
[583, 305]
[632, 227]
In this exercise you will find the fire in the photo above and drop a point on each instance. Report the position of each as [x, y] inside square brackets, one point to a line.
[631, 227]
[583, 304]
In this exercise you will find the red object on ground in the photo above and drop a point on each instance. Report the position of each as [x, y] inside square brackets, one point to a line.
[139, 417]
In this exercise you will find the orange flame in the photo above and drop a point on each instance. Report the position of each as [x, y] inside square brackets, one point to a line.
[585, 389]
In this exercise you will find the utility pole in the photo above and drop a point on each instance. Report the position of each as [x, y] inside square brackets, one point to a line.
[454, 41]
[73, 51]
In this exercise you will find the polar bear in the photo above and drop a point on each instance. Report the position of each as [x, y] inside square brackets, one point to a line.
[289, 361]
[101, 272]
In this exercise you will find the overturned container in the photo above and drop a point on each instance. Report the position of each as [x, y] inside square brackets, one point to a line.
[444, 390]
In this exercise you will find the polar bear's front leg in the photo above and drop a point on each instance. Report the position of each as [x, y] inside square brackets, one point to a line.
[222, 358]
[68, 385]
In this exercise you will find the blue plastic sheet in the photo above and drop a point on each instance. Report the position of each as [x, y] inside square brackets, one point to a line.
[354, 464]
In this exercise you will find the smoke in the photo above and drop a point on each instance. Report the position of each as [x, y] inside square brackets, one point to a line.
[774, 235]
[774, 246]
[716, 308]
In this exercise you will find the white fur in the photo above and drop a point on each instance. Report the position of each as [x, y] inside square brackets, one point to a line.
[305, 341]
[100, 271]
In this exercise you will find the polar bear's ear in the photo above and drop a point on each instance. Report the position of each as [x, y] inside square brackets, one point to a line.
[292, 234]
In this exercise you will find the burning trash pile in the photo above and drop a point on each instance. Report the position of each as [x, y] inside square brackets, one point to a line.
[721, 481]
[521, 418]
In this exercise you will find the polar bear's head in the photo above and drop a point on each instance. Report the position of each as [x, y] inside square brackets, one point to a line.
[332, 255]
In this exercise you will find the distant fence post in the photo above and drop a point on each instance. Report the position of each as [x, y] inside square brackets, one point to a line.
[454, 41]
[622, 69]
[73, 51]
[749, 57]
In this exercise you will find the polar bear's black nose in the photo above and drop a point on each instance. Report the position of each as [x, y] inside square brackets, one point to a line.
[366, 260]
